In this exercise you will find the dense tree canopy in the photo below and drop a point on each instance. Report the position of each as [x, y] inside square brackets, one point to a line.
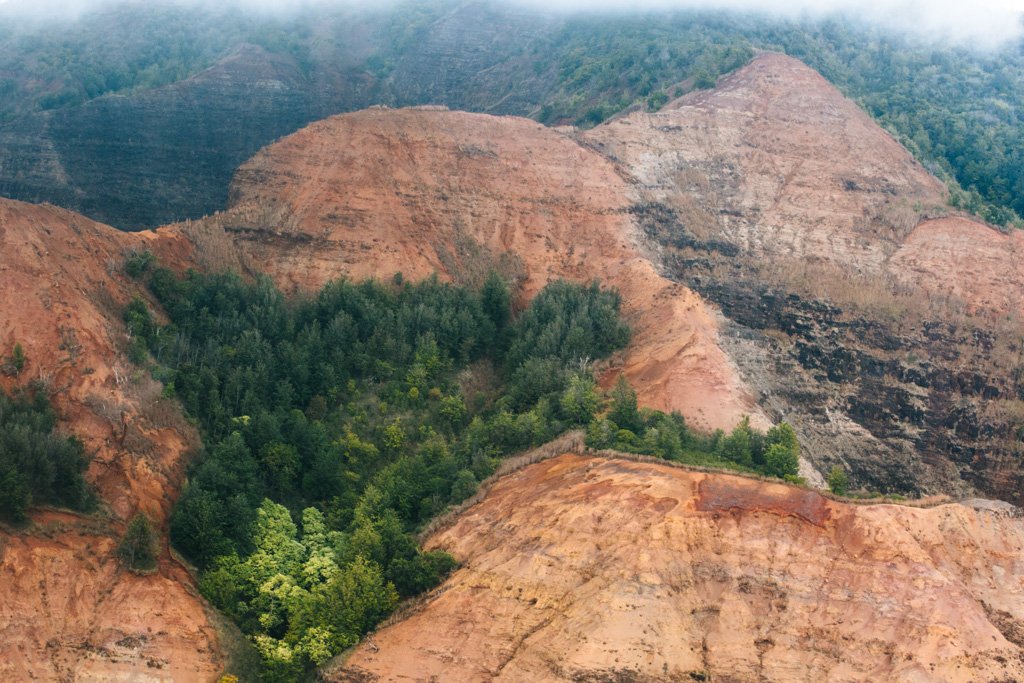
[335, 425]
[958, 109]
[38, 466]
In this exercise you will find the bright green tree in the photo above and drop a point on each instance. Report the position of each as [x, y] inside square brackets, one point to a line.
[780, 461]
[580, 400]
[838, 482]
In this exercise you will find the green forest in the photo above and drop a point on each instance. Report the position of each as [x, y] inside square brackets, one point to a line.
[336, 425]
[38, 465]
[957, 108]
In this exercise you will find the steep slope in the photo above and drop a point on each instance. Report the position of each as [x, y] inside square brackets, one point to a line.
[67, 609]
[777, 162]
[419, 191]
[146, 158]
[968, 262]
[585, 569]
[883, 328]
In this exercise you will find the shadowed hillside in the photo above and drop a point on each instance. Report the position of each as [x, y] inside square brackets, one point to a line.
[145, 124]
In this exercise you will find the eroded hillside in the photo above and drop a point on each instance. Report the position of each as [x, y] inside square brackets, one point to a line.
[856, 309]
[887, 330]
[419, 191]
[68, 610]
[582, 569]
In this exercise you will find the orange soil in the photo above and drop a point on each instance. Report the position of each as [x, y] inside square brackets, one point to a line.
[64, 602]
[729, 576]
[970, 262]
[420, 191]
[582, 568]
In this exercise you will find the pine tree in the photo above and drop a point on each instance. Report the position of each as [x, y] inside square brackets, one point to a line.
[138, 547]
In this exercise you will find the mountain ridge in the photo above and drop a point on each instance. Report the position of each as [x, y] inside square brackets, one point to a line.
[417, 191]
[583, 568]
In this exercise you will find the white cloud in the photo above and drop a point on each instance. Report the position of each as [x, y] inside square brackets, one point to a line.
[985, 22]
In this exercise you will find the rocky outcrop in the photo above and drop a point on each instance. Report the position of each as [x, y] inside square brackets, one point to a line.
[586, 569]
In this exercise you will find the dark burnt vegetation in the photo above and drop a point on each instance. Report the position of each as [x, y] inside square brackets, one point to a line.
[921, 372]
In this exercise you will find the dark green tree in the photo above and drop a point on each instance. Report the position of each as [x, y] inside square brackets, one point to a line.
[138, 547]
[624, 411]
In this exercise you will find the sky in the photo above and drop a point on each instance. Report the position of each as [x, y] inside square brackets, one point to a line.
[985, 23]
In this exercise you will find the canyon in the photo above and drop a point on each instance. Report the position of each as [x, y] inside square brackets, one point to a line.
[778, 256]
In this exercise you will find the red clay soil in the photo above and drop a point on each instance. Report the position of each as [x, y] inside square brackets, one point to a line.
[422, 191]
[67, 610]
[779, 162]
[586, 569]
[978, 265]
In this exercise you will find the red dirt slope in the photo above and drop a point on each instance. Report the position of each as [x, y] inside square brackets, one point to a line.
[776, 161]
[973, 263]
[67, 611]
[420, 191]
[585, 569]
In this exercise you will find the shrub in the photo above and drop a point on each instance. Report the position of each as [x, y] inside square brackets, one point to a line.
[138, 263]
[138, 547]
[838, 482]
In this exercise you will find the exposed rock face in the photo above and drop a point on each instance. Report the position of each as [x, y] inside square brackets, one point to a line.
[580, 569]
[67, 610]
[419, 191]
[148, 158]
[883, 335]
[62, 301]
[777, 162]
[966, 261]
